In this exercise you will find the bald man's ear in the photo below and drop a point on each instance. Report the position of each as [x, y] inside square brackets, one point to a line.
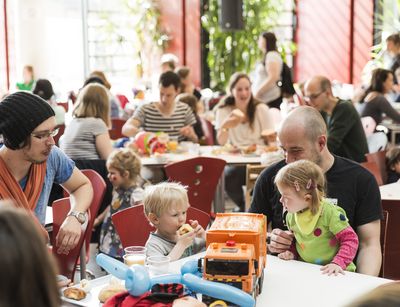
[322, 142]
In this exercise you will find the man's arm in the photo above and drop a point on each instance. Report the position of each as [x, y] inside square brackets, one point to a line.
[81, 194]
[189, 133]
[369, 257]
[131, 127]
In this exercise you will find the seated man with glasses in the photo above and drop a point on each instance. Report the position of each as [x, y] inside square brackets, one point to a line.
[346, 137]
[30, 164]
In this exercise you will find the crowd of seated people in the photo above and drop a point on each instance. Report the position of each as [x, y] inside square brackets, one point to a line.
[328, 132]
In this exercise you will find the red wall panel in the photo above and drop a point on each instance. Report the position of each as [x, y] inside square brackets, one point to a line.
[172, 20]
[333, 39]
[363, 36]
[323, 39]
[193, 48]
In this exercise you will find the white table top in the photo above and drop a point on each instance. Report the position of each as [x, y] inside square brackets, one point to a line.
[49, 216]
[205, 151]
[290, 283]
[390, 191]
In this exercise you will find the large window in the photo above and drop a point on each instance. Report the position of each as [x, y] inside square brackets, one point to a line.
[120, 38]
[65, 40]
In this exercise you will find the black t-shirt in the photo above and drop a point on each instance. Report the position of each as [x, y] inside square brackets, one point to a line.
[349, 185]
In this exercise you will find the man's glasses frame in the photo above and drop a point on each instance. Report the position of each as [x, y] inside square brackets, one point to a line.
[313, 96]
[44, 135]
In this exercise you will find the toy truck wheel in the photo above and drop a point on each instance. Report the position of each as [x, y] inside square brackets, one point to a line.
[261, 282]
[256, 292]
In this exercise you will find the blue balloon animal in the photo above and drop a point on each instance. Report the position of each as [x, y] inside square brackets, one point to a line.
[138, 281]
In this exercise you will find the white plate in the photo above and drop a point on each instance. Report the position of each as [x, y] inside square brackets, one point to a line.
[85, 302]
[91, 298]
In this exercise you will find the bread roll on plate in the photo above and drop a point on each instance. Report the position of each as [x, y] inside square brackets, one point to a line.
[74, 293]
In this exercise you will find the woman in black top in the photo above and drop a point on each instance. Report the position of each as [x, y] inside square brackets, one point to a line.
[375, 103]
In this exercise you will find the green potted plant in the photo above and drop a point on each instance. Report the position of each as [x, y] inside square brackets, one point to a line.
[233, 51]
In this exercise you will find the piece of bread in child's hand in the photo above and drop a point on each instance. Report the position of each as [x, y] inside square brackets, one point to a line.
[185, 228]
[74, 293]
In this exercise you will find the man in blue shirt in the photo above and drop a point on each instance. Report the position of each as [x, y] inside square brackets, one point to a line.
[30, 164]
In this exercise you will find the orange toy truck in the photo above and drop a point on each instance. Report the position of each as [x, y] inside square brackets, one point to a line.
[236, 251]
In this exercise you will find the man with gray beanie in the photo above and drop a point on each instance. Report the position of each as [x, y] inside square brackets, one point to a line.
[30, 164]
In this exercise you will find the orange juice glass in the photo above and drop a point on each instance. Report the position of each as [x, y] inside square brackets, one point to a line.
[135, 255]
[172, 145]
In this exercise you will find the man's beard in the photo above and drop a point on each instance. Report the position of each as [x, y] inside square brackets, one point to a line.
[316, 157]
[32, 160]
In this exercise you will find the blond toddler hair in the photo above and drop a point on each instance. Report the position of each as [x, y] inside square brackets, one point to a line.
[124, 159]
[305, 176]
[160, 197]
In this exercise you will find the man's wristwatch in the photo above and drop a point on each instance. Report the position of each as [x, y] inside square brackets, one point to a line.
[80, 216]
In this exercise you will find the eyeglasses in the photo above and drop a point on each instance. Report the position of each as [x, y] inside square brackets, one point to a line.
[313, 96]
[43, 135]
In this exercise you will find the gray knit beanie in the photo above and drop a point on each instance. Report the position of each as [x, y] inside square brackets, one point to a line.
[20, 114]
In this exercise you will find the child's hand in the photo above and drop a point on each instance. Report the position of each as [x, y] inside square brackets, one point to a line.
[198, 230]
[186, 239]
[332, 268]
[288, 255]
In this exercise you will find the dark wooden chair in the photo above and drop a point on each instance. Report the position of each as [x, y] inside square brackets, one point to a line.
[374, 169]
[379, 158]
[384, 226]
[392, 245]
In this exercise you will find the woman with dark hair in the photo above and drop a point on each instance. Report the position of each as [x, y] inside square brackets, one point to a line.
[28, 275]
[374, 102]
[240, 120]
[187, 85]
[268, 72]
[44, 89]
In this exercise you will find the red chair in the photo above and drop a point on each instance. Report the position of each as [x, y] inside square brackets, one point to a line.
[64, 105]
[122, 100]
[132, 226]
[201, 175]
[208, 130]
[66, 263]
[99, 189]
[134, 229]
[196, 214]
[116, 130]
[379, 158]
[374, 169]
[61, 129]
